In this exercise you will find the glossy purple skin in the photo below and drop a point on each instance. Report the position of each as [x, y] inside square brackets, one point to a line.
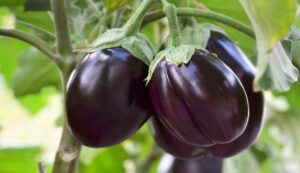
[172, 145]
[106, 98]
[201, 165]
[202, 102]
[229, 53]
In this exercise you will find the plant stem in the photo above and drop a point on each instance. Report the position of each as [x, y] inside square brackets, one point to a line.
[67, 154]
[34, 41]
[175, 36]
[61, 26]
[133, 24]
[204, 14]
[69, 148]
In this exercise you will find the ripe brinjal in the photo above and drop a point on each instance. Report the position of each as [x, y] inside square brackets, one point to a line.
[202, 103]
[107, 100]
[232, 56]
[171, 144]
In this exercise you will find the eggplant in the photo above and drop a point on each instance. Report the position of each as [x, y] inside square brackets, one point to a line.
[232, 56]
[107, 100]
[172, 145]
[202, 103]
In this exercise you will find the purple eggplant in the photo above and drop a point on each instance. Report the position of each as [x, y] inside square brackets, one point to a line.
[107, 100]
[202, 103]
[230, 54]
[172, 145]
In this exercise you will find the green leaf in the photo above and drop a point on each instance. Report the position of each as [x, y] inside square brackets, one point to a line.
[270, 25]
[280, 138]
[110, 38]
[88, 155]
[35, 102]
[244, 162]
[273, 166]
[295, 51]
[105, 160]
[11, 3]
[38, 20]
[19, 159]
[37, 5]
[153, 32]
[34, 72]
[176, 55]
[11, 50]
[179, 55]
[275, 70]
[140, 145]
[139, 47]
[287, 45]
[6, 18]
[293, 96]
[197, 35]
[112, 5]
[231, 8]
[30, 5]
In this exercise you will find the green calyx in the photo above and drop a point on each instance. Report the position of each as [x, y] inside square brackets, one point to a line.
[176, 55]
[137, 44]
[197, 35]
[177, 52]
[128, 37]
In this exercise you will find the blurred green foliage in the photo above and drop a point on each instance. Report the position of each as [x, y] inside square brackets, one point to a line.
[19, 159]
[34, 79]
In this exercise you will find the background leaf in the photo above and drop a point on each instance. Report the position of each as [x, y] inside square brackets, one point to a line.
[275, 70]
[276, 151]
[295, 51]
[196, 36]
[244, 162]
[231, 8]
[19, 159]
[34, 72]
[10, 50]
[11, 3]
[35, 102]
[292, 97]
[104, 160]
[37, 5]
[112, 5]
[37, 20]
